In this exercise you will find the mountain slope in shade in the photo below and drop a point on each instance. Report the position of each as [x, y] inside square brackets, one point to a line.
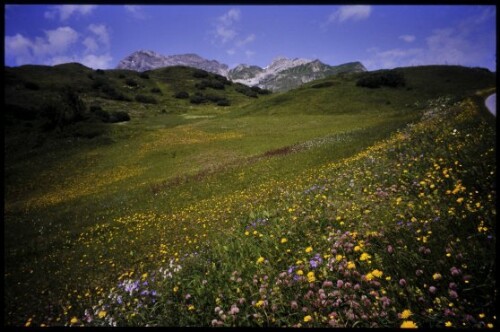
[281, 75]
[148, 60]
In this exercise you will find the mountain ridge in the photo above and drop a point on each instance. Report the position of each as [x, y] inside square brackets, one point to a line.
[281, 74]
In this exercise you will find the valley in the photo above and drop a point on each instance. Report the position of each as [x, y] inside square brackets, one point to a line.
[177, 197]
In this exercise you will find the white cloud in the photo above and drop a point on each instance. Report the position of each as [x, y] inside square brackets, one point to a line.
[392, 58]
[19, 47]
[224, 27]
[464, 44]
[97, 61]
[249, 54]
[407, 38]
[58, 46]
[353, 12]
[136, 11]
[90, 44]
[102, 33]
[66, 11]
[247, 40]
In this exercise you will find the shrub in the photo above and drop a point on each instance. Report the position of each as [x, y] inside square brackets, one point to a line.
[113, 94]
[131, 82]
[198, 99]
[214, 84]
[146, 99]
[181, 95]
[119, 116]
[144, 75]
[390, 78]
[31, 86]
[156, 90]
[224, 102]
[198, 73]
[247, 91]
[100, 72]
[322, 85]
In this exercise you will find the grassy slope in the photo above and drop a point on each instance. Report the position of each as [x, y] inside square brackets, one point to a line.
[71, 193]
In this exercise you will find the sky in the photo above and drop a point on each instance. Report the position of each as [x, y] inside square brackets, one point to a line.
[380, 36]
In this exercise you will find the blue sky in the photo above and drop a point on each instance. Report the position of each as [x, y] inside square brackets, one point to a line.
[380, 36]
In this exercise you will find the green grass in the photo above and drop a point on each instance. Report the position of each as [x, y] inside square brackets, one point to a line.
[79, 213]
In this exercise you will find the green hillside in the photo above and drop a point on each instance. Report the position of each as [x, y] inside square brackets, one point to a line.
[177, 198]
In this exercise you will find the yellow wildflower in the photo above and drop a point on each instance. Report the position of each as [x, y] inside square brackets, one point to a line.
[259, 303]
[102, 314]
[338, 257]
[191, 307]
[369, 276]
[364, 256]
[448, 324]
[460, 200]
[351, 265]
[377, 273]
[73, 320]
[311, 277]
[284, 240]
[260, 260]
[406, 313]
[408, 324]
[309, 249]
[308, 318]
[436, 276]
[300, 272]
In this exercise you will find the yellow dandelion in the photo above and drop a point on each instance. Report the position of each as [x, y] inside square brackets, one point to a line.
[357, 248]
[338, 258]
[259, 303]
[377, 273]
[406, 313]
[448, 324]
[308, 249]
[308, 318]
[284, 240]
[102, 314]
[351, 265]
[408, 324]
[260, 260]
[191, 307]
[175, 289]
[369, 276]
[74, 320]
[436, 276]
[247, 233]
[364, 256]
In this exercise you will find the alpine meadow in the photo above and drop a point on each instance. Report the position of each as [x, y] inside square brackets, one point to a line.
[177, 197]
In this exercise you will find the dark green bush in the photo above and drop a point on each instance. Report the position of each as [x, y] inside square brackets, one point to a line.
[100, 72]
[391, 78]
[146, 99]
[322, 85]
[156, 90]
[198, 99]
[144, 75]
[246, 90]
[198, 73]
[31, 86]
[212, 83]
[181, 95]
[224, 102]
[131, 82]
[119, 116]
